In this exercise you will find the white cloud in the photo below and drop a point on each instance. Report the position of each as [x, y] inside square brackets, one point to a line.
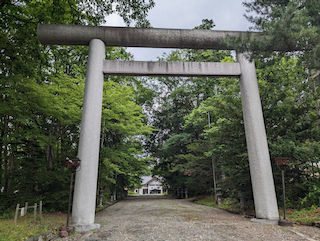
[114, 20]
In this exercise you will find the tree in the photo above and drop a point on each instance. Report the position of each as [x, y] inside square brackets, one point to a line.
[42, 89]
[289, 114]
[291, 122]
[225, 140]
[288, 33]
[291, 28]
[181, 148]
[121, 159]
[284, 26]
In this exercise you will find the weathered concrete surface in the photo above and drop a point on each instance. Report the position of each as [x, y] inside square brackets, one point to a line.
[143, 68]
[84, 199]
[153, 217]
[85, 228]
[259, 160]
[134, 37]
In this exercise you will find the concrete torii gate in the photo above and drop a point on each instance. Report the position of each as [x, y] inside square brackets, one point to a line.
[97, 38]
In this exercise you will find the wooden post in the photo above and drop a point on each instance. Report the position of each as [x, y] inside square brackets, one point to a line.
[40, 210]
[34, 213]
[25, 210]
[16, 215]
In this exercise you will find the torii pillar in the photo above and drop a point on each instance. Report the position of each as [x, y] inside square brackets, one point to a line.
[97, 38]
[264, 195]
[84, 198]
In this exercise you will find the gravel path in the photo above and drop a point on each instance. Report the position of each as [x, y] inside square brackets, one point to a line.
[153, 217]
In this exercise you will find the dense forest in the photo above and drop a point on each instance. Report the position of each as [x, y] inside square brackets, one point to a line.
[41, 103]
[173, 127]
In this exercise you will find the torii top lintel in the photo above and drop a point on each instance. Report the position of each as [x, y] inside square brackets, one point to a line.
[134, 37]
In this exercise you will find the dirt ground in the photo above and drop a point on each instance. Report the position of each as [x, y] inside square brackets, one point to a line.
[153, 217]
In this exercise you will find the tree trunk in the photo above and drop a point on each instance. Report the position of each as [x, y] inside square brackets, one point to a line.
[11, 164]
[2, 151]
[241, 198]
[6, 176]
[316, 100]
[5, 154]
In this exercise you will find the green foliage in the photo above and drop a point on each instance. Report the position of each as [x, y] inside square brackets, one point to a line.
[180, 144]
[25, 228]
[206, 24]
[207, 201]
[121, 156]
[42, 94]
[229, 204]
[47, 129]
[285, 26]
[185, 145]
[313, 194]
[290, 117]
[289, 112]
[306, 216]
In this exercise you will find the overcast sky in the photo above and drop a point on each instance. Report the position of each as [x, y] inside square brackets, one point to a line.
[186, 14]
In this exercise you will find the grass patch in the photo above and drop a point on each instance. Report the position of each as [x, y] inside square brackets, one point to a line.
[25, 228]
[131, 193]
[306, 216]
[229, 204]
[98, 209]
[207, 201]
